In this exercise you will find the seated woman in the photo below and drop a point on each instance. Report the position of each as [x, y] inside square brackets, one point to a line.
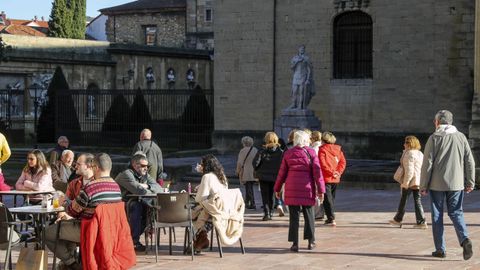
[36, 175]
[213, 181]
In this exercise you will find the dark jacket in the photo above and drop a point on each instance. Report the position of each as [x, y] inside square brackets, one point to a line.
[267, 162]
[129, 182]
[154, 157]
[57, 181]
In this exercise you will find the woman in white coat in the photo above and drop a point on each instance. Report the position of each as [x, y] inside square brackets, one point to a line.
[411, 162]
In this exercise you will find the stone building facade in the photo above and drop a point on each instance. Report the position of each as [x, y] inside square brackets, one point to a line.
[421, 60]
[177, 23]
[27, 61]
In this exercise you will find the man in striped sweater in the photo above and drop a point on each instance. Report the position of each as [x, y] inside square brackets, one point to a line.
[103, 189]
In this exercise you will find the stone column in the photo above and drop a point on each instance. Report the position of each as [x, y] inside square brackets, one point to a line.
[474, 132]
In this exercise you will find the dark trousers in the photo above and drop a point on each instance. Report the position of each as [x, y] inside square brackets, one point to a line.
[266, 189]
[137, 218]
[420, 217]
[329, 202]
[308, 228]
[249, 197]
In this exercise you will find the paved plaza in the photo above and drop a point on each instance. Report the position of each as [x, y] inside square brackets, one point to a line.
[363, 239]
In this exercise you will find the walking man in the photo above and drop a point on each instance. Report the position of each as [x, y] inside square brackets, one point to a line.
[448, 171]
[153, 152]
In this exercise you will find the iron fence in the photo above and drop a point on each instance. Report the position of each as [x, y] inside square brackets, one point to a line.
[12, 113]
[179, 119]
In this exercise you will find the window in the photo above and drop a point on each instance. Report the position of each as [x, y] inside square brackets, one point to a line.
[352, 46]
[150, 35]
[208, 15]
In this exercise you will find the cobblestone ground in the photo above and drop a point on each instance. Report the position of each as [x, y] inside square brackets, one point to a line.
[363, 239]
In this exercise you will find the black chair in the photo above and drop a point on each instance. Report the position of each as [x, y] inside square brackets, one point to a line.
[173, 210]
[220, 251]
[8, 235]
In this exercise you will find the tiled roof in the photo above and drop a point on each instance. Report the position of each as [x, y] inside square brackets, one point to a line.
[33, 23]
[145, 5]
[21, 30]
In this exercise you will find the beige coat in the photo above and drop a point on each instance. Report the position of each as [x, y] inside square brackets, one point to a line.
[247, 168]
[226, 208]
[411, 162]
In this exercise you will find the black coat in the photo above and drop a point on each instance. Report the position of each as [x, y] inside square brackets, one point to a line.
[266, 163]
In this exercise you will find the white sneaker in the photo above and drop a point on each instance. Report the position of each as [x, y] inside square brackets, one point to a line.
[280, 211]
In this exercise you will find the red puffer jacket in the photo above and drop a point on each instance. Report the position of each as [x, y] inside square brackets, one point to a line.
[295, 173]
[332, 162]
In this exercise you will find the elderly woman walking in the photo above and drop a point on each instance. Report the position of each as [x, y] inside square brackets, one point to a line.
[411, 163]
[245, 170]
[333, 165]
[300, 172]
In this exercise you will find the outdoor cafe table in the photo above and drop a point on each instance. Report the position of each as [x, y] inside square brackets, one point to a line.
[24, 193]
[42, 213]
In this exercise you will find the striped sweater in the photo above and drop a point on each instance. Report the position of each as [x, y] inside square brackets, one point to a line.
[102, 190]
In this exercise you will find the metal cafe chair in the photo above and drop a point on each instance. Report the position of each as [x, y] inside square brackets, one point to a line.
[173, 210]
[8, 235]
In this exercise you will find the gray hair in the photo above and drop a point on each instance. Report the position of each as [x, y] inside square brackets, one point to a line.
[103, 161]
[62, 139]
[247, 141]
[137, 157]
[444, 117]
[301, 138]
[66, 152]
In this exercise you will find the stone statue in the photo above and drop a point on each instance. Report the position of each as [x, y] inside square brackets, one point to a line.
[302, 83]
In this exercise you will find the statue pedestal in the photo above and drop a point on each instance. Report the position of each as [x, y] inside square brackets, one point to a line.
[298, 119]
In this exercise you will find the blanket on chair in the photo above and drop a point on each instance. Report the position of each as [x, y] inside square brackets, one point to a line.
[227, 208]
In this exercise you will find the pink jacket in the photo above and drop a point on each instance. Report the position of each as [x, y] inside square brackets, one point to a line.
[296, 173]
[41, 181]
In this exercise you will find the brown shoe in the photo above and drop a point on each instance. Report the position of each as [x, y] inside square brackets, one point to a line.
[201, 241]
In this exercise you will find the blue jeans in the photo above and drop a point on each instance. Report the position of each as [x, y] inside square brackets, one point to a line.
[137, 212]
[454, 200]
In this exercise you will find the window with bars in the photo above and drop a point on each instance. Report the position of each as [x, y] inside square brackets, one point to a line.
[352, 46]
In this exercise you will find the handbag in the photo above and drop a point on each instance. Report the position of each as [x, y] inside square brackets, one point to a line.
[32, 259]
[398, 175]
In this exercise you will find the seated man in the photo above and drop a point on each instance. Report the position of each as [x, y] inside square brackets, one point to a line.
[101, 189]
[136, 180]
[62, 171]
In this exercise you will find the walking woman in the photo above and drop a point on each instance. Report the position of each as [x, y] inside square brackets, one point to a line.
[244, 170]
[411, 164]
[333, 165]
[266, 164]
[300, 172]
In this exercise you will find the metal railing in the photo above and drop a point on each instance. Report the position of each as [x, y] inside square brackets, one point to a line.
[179, 119]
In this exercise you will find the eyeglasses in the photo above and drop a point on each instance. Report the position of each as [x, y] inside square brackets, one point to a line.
[144, 165]
[31, 158]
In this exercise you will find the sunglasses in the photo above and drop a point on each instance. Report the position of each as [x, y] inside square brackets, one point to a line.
[144, 165]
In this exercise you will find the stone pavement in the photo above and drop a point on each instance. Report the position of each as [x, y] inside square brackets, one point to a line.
[363, 239]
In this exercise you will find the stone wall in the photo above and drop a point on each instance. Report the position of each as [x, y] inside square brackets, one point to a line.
[422, 62]
[130, 28]
[199, 31]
